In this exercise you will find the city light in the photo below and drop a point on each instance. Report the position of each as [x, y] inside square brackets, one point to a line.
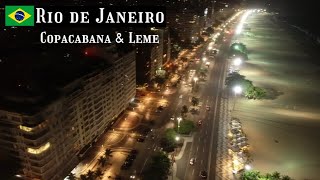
[237, 61]
[24, 128]
[195, 79]
[204, 59]
[179, 120]
[39, 150]
[177, 138]
[237, 89]
[247, 167]
[243, 19]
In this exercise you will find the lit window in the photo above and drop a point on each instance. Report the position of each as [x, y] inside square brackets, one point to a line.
[24, 128]
[39, 150]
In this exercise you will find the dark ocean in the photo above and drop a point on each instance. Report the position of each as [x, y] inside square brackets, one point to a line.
[303, 15]
[305, 24]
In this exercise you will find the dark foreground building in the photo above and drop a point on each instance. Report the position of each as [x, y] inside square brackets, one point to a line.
[55, 103]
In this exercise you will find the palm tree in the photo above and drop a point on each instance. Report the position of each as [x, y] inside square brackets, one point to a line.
[102, 160]
[276, 176]
[108, 152]
[90, 175]
[250, 175]
[83, 177]
[72, 176]
[286, 178]
[184, 110]
[98, 173]
[195, 101]
[268, 176]
[202, 74]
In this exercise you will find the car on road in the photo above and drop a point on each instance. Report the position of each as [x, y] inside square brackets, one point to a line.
[172, 118]
[134, 151]
[140, 139]
[192, 161]
[145, 131]
[208, 108]
[200, 122]
[126, 165]
[203, 174]
[131, 157]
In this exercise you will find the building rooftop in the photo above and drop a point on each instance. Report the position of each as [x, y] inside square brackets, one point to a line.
[32, 76]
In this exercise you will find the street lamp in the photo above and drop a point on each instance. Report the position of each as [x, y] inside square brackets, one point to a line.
[204, 59]
[179, 120]
[195, 79]
[237, 61]
[236, 90]
[247, 167]
[177, 138]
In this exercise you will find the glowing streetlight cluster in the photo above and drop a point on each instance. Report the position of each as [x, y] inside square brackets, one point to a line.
[237, 90]
[195, 79]
[204, 59]
[237, 61]
[243, 19]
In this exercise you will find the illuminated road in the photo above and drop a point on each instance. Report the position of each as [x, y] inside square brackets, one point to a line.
[204, 145]
[126, 131]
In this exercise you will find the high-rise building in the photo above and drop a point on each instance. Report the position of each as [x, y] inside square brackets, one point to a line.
[186, 23]
[150, 57]
[53, 105]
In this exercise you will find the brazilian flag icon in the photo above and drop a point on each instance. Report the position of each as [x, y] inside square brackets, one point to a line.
[19, 15]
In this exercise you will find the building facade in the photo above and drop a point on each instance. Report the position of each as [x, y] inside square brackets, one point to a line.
[185, 22]
[49, 142]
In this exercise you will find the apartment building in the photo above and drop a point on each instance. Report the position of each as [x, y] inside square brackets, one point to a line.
[50, 124]
[151, 57]
[185, 22]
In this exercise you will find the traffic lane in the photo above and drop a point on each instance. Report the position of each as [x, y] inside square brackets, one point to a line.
[183, 163]
[199, 151]
[173, 108]
[147, 147]
[205, 137]
[213, 83]
[201, 140]
[221, 59]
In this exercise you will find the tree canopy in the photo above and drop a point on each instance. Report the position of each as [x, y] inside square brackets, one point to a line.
[256, 175]
[184, 109]
[159, 167]
[195, 101]
[186, 127]
[210, 30]
[168, 143]
[250, 91]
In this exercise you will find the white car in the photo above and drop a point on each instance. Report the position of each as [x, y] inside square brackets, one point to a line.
[192, 161]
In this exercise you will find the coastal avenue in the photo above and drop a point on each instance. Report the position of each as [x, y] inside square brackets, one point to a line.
[204, 144]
